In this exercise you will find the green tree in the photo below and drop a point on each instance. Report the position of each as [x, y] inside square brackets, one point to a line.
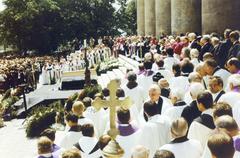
[126, 16]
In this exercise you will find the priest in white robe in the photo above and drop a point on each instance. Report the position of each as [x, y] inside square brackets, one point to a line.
[88, 144]
[169, 61]
[98, 117]
[156, 131]
[129, 132]
[73, 134]
[181, 146]
[203, 126]
[175, 112]
[134, 90]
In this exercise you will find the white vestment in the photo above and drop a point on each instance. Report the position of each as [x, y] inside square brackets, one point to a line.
[137, 96]
[169, 62]
[87, 144]
[128, 143]
[188, 149]
[145, 82]
[70, 139]
[180, 82]
[167, 74]
[98, 119]
[45, 76]
[174, 112]
[200, 132]
[224, 74]
[155, 133]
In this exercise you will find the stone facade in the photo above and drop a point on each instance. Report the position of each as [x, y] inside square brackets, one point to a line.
[163, 17]
[140, 18]
[150, 18]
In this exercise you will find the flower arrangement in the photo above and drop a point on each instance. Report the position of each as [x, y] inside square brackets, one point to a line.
[42, 117]
[109, 65]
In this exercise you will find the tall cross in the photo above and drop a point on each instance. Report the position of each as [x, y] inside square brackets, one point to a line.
[113, 149]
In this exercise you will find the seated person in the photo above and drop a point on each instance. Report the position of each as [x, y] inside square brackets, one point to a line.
[88, 144]
[203, 126]
[73, 134]
[44, 146]
[163, 154]
[180, 143]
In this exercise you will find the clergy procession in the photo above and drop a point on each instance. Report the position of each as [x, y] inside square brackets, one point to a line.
[161, 79]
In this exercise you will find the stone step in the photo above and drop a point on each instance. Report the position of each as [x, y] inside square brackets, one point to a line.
[119, 73]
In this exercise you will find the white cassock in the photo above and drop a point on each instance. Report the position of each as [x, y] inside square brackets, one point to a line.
[97, 118]
[89, 147]
[154, 67]
[230, 97]
[167, 74]
[145, 81]
[199, 131]
[45, 76]
[188, 98]
[169, 62]
[175, 112]
[155, 133]
[128, 143]
[69, 139]
[187, 149]
[137, 96]
[236, 112]
[180, 82]
[195, 62]
[224, 74]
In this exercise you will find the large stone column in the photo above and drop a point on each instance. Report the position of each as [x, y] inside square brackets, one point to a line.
[186, 16]
[163, 17]
[140, 18]
[217, 15]
[150, 18]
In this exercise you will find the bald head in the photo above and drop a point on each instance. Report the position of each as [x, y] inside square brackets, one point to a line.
[179, 128]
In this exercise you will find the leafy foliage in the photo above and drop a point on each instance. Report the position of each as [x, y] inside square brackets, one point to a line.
[43, 25]
[41, 118]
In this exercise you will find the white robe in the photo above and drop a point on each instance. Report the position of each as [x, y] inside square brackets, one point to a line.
[70, 139]
[180, 82]
[189, 149]
[224, 74]
[137, 96]
[87, 144]
[128, 143]
[155, 133]
[97, 118]
[145, 82]
[169, 62]
[45, 76]
[200, 132]
[167, 74]
[174, 112]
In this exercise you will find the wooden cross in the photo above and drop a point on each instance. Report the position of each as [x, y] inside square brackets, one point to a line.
[112, 103]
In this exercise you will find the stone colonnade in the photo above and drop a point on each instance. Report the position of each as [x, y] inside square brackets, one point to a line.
[157, 17]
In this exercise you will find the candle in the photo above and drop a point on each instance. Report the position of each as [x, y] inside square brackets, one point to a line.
[85, 43]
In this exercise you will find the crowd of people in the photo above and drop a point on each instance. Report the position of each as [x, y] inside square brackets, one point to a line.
[186, 97]
[15, 70]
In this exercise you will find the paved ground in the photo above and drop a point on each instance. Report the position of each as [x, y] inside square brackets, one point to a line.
[14, 143]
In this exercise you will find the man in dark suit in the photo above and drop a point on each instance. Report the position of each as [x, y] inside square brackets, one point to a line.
[234, 51]
[221, 55]
[207, 46]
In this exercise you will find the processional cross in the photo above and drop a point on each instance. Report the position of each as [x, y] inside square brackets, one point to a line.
[113, 150]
